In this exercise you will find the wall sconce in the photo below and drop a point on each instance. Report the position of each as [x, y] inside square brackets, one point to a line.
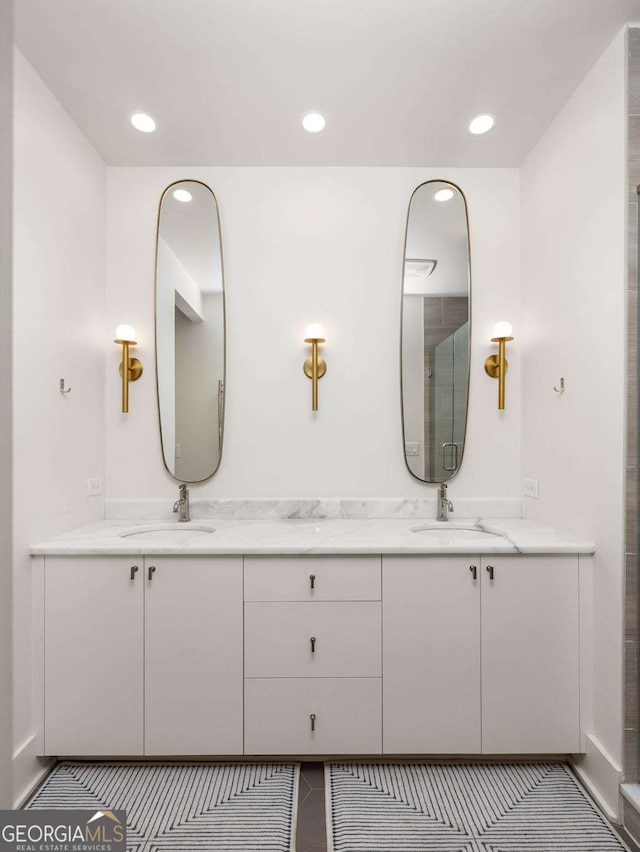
[314, 367]
[496, 366]
[126, 336]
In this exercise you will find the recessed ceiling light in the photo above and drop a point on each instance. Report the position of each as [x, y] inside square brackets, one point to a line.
[142, 121]
[313, 122]
[482, 124]
[443, 195]
[182, 195]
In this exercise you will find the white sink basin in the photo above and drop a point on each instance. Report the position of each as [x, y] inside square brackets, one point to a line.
[444, 534]
[167, 532]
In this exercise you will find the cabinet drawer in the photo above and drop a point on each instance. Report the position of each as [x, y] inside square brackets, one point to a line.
[335, 578]
[348, 715]
[347, 636]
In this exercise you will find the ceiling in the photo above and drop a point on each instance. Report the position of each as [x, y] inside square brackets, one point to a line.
[228, 80]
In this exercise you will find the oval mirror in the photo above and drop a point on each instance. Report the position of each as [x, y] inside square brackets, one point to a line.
[190, 331]
[436, 319]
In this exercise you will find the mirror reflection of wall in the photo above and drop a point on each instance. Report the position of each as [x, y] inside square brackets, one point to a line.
[435, 331]
[190, 331]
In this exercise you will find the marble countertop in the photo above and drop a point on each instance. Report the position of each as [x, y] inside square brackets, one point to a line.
[324, 536]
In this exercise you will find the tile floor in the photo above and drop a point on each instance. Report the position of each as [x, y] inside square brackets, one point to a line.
[311, 833]
[312, 829]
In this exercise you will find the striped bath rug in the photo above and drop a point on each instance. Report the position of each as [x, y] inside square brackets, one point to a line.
[418, 807]
[180, 807]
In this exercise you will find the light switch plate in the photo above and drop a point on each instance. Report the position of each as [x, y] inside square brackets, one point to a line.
[531, 488]
[412, 448]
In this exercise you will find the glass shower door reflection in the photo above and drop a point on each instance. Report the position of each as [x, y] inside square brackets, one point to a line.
[448, 403]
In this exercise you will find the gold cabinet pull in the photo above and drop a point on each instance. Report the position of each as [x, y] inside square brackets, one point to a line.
[313, 644]
[152, 571]
[134, 570]
[474, 571]
[312, 580]
[313, 721]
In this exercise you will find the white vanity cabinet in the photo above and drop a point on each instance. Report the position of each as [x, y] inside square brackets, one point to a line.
[94, 655]
[481, 665]
[431, 624]
[193, 655]
[143, 655]
[530, 655]
[313, 655]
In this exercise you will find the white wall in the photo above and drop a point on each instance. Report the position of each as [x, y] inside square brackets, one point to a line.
[573, 307]
[302, 245]
[59, 271]
[6, 139]
[199, 367]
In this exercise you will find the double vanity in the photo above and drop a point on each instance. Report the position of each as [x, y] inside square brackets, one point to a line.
[311, 637]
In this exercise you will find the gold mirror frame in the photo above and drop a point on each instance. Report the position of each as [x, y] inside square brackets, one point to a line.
[402, 294]
[222, 407]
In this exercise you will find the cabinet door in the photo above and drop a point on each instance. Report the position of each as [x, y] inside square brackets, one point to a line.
[347, 715]
[530, 655]
[329, 639]
[431, 656]
[93, 656]
[193, 655]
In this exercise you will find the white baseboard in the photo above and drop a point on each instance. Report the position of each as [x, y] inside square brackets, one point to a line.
[602, 777]
[28, 770]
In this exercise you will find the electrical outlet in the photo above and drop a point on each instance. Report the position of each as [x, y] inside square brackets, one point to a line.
[94, 486]
[531, 488]
[412, 448]
[178, 451]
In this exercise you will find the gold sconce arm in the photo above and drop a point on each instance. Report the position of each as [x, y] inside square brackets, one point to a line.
[314, 367]
[130, 368]
[496, 366]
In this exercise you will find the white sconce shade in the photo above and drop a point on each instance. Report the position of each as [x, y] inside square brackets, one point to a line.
[125, 334]
[502, 329]
[314, 332]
